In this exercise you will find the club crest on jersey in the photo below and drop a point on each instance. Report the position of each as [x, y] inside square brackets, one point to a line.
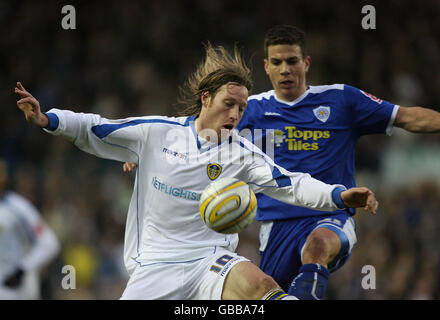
[213, 170]
[322, 113]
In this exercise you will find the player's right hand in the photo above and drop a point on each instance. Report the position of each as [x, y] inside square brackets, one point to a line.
[360, 197]
[129, 166]
[14, 280]
[30, 107]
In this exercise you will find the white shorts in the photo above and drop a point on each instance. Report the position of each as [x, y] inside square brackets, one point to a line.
[201, 279]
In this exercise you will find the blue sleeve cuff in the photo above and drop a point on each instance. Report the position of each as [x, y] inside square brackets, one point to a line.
[53, 121]
[336, 196]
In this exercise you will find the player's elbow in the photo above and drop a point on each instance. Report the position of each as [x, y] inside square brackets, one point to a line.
[51, 244]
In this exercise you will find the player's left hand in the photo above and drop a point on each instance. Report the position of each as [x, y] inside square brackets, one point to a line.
[360, 197]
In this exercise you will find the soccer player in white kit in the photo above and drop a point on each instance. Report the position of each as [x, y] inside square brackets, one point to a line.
[27, 244]
[169, 252]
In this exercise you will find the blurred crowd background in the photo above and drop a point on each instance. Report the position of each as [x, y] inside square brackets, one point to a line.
[128, 59]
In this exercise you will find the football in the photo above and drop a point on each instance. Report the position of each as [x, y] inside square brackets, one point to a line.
[228, 205]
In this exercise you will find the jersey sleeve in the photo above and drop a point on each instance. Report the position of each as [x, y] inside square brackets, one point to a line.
[294, 188]
[370, 114]
[119, 140]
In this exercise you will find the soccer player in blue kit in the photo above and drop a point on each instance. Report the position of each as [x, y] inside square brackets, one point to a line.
[313, 129]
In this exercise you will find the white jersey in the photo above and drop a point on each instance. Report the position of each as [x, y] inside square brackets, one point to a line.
[174, 167]
[26, 242]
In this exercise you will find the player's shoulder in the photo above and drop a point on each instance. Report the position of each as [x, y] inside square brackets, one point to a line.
[263, 96]
[339, 87]
[245, 144]
[180, 121]
[14, 197]
[260, 103]
[19, 202]
[338, 91]
[352, 93]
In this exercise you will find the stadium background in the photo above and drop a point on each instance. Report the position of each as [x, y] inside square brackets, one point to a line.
[128, 58]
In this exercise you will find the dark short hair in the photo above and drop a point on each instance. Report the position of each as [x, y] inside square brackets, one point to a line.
[285, 34]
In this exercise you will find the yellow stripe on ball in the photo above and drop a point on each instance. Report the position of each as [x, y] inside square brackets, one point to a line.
[214, 217]
[206, 202]
[251, 207]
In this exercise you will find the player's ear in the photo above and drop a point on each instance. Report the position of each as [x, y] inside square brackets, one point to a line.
[307, 61]
[205, 98]
[266, 66]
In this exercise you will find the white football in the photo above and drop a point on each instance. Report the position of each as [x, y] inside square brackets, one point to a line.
[228, 205]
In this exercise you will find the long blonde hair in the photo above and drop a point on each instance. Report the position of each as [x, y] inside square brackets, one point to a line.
[218, 68]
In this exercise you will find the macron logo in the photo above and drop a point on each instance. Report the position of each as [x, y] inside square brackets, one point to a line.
[272, 114]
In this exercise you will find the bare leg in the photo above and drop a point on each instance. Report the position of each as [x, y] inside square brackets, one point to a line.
[246, 281]
[321, 247]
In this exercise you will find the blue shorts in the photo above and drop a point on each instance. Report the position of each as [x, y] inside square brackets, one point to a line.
[282, 243]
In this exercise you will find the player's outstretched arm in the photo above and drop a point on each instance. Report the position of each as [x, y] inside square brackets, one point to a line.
[30, 107]
[360, 197]
[418, 119]
[87, 131]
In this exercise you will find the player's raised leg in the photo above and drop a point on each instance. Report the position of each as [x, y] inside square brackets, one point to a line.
[321, 247]
[246, 281]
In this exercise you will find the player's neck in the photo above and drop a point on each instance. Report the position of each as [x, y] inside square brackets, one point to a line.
[200, 130]
[292, 97]
[206, 133]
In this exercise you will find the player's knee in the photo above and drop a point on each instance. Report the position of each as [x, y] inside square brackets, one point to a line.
[262, 285]
[321, 247]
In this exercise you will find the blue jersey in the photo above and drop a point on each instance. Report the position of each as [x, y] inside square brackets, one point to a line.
[316, 134]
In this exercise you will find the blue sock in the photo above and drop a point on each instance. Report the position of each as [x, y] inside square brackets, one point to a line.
[310, 283]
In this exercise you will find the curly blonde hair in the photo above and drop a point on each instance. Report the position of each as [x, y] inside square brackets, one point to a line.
[218, 68]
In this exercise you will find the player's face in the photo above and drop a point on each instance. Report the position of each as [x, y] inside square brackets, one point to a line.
[287, 70]
[223, 112]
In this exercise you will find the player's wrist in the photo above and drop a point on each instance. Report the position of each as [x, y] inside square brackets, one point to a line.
[52, 121]
[337, 197]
